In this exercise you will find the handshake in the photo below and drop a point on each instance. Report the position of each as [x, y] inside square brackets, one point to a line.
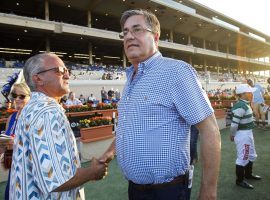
[99, 167]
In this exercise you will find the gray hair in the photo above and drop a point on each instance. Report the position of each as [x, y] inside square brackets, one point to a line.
[32, 66]
[150, 19]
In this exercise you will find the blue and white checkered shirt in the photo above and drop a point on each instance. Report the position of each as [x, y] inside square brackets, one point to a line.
[155, 113]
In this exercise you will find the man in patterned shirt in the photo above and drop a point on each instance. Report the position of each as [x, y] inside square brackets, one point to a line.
[161, 99]
[241, 133]
[45, 163]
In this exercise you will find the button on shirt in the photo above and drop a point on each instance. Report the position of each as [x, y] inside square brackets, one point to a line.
[155, 113]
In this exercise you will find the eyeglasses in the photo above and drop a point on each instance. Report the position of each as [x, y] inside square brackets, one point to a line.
[136, 31]
[21, 96]
[60, 70]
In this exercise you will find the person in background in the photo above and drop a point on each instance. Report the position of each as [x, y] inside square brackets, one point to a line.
[110, 94]
[268, 86]
[257, 102]
[82, 99]
[241, 133]
[104, 94]
[117, 95]
[162, 97]
[72, 100]
[63, 100]
[91, 98]
[104, 76]
[45, 162]
[20, 95]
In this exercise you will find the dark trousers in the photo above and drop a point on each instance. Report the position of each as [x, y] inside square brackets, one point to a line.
[194, 134]
[170, 192]
[7, 187]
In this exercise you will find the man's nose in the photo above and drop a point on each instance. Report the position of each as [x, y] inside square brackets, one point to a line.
[66, 76]
[129, 35]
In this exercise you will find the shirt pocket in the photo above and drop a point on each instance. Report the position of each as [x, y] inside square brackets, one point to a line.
[153, 104]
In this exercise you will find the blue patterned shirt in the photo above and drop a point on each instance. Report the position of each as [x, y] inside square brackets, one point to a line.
[155, 113]
[45, 155]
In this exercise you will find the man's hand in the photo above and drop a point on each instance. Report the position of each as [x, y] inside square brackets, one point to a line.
[232, 138]
[98, 169]
[109, 154]
[106, 157]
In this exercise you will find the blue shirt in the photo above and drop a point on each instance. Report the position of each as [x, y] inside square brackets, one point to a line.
[155, 113]
[258, 94]
[12, 124]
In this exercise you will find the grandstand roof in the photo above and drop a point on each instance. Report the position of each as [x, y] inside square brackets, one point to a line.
[187, 18]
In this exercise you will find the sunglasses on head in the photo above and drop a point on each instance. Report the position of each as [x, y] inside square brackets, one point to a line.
[21, 96]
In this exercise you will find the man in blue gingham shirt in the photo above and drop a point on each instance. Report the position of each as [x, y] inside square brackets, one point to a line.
[161, 99]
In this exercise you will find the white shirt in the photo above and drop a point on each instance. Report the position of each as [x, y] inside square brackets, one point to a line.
[73, 102]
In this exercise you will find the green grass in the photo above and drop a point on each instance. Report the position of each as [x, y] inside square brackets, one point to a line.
[227, 189]
[114, 187]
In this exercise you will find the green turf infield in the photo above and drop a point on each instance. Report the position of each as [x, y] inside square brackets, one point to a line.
[114, 186]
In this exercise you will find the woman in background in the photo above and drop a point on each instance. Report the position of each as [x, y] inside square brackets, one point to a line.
[20, 95]
[72, 100]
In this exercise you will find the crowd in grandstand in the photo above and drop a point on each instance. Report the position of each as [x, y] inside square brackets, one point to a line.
[228, 77]
[110, 96]
[99, 71]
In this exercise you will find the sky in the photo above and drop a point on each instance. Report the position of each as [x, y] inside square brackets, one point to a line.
[254, 13]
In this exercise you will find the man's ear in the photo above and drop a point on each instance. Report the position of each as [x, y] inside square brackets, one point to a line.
[37, 80]
[156, 37]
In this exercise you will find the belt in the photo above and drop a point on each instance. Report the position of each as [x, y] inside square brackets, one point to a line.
[182, 179]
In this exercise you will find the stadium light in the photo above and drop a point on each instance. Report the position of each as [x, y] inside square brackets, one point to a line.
[15, 52]
[11, 49]
[79, 54]
[82, 57]
[55, 52]
[112, 57]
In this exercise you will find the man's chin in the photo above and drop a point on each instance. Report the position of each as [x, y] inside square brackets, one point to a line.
[65, 91]
[133, 57]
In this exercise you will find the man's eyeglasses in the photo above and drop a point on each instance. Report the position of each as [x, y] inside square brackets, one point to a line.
[61, 70]
[21, 96]
[136, 31]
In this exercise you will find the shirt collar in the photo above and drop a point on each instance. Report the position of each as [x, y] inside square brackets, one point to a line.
[145, 65]
[245, 101]
[39, 96]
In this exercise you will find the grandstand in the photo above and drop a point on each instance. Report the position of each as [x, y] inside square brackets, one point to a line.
[85, 35]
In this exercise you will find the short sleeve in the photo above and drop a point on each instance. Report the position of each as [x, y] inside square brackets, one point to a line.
[238, 114]
[189, 97]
